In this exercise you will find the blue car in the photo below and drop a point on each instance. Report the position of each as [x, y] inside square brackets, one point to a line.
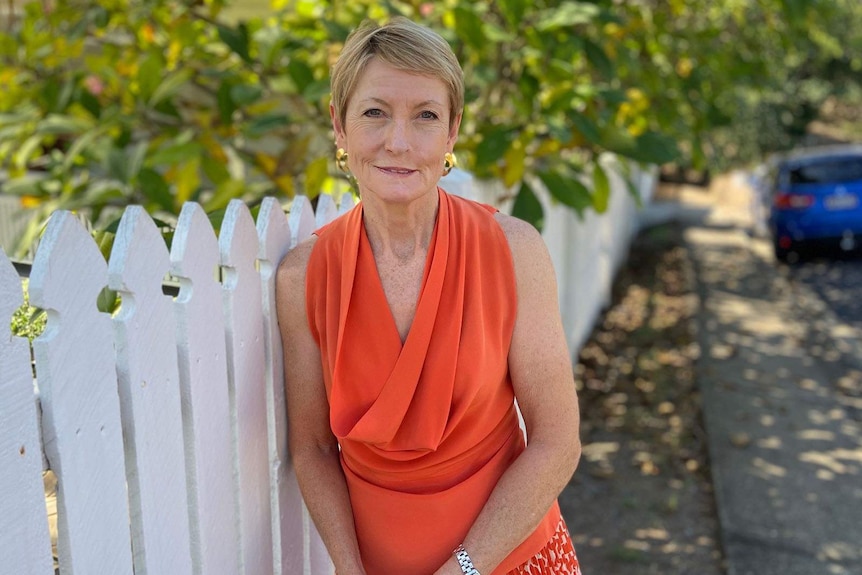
[816, 200]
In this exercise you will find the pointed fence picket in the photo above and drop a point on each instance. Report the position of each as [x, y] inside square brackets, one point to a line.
[204, 390]
[24, 541]
[150, 399]
[238, 246]
[81, 429]
[274, 235]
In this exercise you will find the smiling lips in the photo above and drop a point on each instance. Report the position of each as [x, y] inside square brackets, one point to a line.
[396, 171]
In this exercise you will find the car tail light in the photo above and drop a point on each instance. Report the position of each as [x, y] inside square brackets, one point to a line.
[785, 201]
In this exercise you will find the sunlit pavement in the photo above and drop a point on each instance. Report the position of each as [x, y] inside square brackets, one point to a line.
[781, 381]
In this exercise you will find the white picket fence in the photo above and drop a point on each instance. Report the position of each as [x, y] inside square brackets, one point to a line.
[165, 423]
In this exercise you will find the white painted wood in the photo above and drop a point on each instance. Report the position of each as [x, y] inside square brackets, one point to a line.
[347, 203]
[301, 219]
[150, 398]
[82, 433]
[286, 502]
[213, 521]
[25, 547]
[238, 246]
[326, 210]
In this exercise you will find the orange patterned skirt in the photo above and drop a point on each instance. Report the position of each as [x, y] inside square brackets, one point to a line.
[557, 558]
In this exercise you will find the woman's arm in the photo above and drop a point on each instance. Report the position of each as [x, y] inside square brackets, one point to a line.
[543, 379]
[313, 448]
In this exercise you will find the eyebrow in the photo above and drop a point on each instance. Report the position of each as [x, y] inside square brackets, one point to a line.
[385, 103]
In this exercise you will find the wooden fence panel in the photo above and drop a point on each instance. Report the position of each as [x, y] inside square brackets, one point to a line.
[274, 234]
[202, 364]
[301, 219]
[346, 204]
[25, 547]
[238, 246]
[82, 432]
[150, 398]
[326, 209]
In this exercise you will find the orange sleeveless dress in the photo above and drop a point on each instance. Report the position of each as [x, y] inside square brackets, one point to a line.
[426, 429]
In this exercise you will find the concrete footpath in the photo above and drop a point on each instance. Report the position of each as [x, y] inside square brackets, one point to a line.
[780, 380]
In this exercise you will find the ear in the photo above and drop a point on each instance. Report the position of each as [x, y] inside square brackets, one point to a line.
[336, 127]
[453, 131]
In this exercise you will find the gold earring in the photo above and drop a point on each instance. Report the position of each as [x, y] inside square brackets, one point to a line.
[341, 161]
[449, 162]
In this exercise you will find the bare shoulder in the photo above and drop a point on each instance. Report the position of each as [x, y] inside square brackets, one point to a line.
[525, 241]
[291, 269]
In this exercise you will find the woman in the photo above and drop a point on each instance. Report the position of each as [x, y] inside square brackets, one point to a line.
[410, 325]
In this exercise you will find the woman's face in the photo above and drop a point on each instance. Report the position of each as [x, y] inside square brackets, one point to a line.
[396, 132]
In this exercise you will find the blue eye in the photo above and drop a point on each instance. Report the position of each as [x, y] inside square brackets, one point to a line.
[373, 113]
[428, 115]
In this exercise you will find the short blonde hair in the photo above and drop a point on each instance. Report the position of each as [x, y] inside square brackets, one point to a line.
[404, 45]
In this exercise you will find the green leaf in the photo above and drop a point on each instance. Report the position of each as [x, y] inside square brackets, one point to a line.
[90, 103]
[27, 185]
[600, 61]
[214, 169]
[22, 156]
[170, 86]
[225, 102]
[150, 76]
[528, 207]
[237, 39]
[61, 124]
[136, 155]
[154, 187]
[301, 74]
[175, 154]
[117, 166]
[81, 144]
[655, 148]
[585, 126]
[244, 94]
[566, 15]
[494, 144]
[315, 175]
[601, 189]
[567, 189]
[224, 193]
[316, 90]
[513, 11]
[468, 26]
[260, 125]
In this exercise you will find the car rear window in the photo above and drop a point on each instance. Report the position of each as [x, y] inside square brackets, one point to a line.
[828, 171]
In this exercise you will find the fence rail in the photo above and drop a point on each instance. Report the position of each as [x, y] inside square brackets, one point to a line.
[165, 423]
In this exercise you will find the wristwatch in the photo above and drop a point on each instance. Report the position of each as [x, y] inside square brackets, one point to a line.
[465, 562]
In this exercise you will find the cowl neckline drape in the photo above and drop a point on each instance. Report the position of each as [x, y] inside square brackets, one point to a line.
[375, 379]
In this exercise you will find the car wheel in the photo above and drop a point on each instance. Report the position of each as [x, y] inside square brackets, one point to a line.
[784, 255]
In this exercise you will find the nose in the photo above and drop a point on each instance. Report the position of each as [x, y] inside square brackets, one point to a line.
[397, 136]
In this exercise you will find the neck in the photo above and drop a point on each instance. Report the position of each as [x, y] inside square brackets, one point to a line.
[400, 230]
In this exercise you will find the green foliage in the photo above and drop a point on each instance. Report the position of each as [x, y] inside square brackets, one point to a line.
[28, 321]
[157, 102]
